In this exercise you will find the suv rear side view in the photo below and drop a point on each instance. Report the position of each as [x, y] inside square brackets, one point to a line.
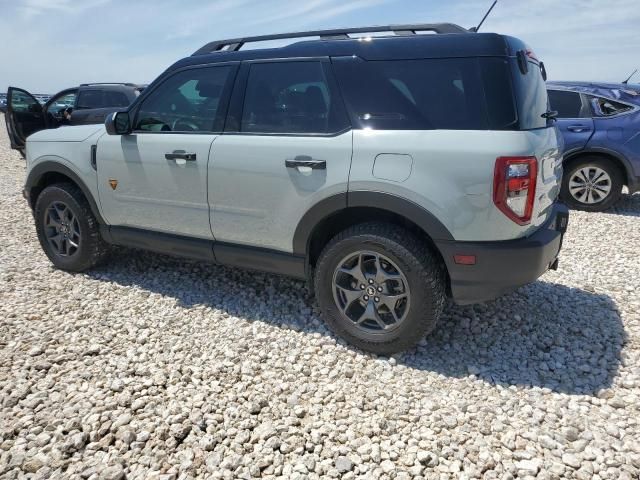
[391, 172]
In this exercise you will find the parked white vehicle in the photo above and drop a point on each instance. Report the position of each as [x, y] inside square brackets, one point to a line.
[391, 172]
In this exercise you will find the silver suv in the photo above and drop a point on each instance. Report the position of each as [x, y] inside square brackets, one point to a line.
[390, 171]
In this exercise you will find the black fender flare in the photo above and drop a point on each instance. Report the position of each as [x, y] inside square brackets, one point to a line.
[34, 179]
[329, 206]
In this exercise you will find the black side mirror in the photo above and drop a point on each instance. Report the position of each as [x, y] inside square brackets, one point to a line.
[543, 71]
[117, 123]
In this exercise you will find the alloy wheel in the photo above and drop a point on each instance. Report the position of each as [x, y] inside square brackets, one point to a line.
[62, 229]
[590, 185]
[371, 291]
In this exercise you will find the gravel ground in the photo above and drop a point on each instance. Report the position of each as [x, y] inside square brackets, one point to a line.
[157, 368]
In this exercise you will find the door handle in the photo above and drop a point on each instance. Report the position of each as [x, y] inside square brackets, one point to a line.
[180, 155]
[578, 128]
[306, 161]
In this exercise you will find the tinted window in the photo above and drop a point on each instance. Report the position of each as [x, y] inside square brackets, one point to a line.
[22, 102]
[417, 94]
[531, 96]
[186, 102]
[289, 97]
[567, 104]
[115, 99]
[603, 107]
[496, 80]
[90, 99]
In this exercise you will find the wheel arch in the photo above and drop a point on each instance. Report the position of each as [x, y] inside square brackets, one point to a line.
[619, 160]
[49, 172]
[334, 214]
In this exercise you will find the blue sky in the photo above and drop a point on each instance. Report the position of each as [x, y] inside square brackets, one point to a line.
[48, 45]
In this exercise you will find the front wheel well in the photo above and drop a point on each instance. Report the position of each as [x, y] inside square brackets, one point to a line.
[44, 181]
[576, 158]
[330, 226]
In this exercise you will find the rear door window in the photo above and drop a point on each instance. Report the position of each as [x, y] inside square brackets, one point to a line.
[567, 104]
[290, 97]
[115, 99]
[90, 99]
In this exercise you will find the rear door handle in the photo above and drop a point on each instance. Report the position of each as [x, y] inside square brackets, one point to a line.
[180, 155]
[306, 161]
[578, 128]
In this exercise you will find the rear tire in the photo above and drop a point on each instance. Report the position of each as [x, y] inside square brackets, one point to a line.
[379, 287]
[591, 183]
[67, 228]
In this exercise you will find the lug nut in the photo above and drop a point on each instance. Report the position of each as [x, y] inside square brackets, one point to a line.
[377, 299]
[366, 297]
[370, 281]
[362, 287]
[380, 289]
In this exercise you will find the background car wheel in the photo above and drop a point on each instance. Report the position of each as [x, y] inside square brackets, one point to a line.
[379, 287]
[591, 183]
[67, 229]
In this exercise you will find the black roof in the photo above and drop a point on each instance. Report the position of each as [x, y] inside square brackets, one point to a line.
[372, 48]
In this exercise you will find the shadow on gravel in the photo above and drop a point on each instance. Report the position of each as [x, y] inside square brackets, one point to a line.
[628, 205]
[545, 334]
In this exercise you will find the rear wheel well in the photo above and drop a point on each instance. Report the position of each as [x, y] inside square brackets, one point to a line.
[615, 160]
[339, 221]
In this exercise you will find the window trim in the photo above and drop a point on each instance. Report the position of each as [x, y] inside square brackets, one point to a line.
[236, 107]
[223, 105]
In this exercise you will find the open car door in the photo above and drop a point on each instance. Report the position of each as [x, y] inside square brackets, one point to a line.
[24, 116]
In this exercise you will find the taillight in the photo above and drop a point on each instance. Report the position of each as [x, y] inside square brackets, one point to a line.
[514, 187]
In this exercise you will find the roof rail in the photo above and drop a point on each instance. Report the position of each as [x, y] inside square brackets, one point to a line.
[235, 44]
[127, 84]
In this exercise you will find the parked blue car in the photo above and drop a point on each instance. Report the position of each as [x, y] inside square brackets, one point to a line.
[600, 123]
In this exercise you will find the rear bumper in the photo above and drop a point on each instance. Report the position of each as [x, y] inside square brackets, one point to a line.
[506, 265]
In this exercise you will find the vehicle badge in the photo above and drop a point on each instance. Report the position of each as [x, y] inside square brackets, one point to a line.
[113, 182]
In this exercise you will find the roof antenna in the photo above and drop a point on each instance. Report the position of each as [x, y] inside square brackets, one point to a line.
[629, 77]
[475, 29]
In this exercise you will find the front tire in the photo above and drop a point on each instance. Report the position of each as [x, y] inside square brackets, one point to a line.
[379, 287]
[592, 184]
[67, 229]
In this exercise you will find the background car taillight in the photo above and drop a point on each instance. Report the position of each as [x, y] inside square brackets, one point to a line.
[514, 187]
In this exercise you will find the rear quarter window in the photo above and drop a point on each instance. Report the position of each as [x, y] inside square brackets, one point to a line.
[413, 94]
[427, 94]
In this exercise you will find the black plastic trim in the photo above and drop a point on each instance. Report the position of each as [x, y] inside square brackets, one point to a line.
[260, 259]
[176, 245]
[233, 255]
[39, 171]
[380, 200]
[406, 208]
[503, 266]
[234, 44]
[321, 210]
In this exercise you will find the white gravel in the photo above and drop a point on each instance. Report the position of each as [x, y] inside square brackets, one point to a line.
[157, 368]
